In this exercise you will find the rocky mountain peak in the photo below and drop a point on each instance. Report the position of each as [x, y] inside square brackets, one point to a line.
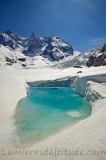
[103, 48]
[52, 48]
[33, 36]
[34, 45]
[8, 32]
[98, 58]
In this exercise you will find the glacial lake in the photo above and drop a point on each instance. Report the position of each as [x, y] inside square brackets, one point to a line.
[46, 111]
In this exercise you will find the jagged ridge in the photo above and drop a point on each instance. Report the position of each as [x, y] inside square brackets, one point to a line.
[52, 48]
[52, 51]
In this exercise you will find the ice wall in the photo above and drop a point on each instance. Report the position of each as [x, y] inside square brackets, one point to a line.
[82, 84]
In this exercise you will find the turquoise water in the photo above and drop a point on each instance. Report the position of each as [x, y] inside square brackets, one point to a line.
[46, 111]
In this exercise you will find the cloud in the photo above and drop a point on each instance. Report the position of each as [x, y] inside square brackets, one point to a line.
[97, 41]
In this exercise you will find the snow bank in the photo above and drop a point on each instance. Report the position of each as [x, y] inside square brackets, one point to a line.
[86, 86]
[81, 82]
[61, 82]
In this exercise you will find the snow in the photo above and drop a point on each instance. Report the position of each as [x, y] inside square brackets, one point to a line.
[31, 62]
[88, 134]
[62, 56]
[95, 91]
[90, 83]
[57, 42]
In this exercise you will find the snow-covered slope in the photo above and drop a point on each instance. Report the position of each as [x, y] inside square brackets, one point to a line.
[37, 52]
[94, 57]
[78, 60]
[32, 51]
[16, 59]
[98, 58]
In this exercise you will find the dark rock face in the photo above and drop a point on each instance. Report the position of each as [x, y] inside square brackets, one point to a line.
[33, 46]
[2, 40]
[8, 32]
[24, 65]
[52, 48]
[9, 40]
[103, 48]
[22, 59]
[10, 60]
[56, 49]
[91, 61]
[11, 44]
[98, 60]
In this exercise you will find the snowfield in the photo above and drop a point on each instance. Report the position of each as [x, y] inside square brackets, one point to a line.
[88, 136]
[52, 61]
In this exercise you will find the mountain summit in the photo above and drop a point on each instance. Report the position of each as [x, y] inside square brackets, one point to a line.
[52, 51]
[51, 48]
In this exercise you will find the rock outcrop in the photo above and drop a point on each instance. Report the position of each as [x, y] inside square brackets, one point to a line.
[98, 58]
